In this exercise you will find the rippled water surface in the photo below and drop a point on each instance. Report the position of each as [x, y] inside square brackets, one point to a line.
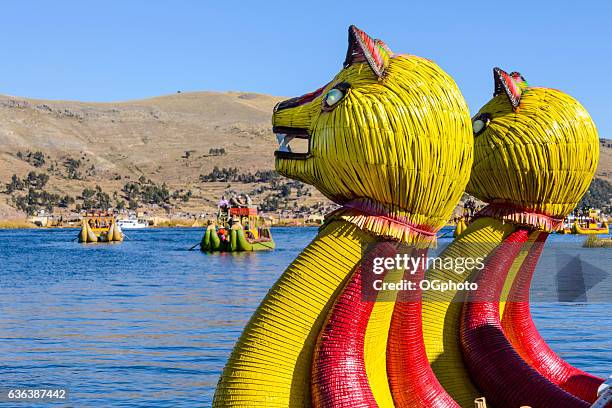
[148, 323]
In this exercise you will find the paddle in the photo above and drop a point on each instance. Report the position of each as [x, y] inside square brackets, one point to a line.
[193, 246]
[264, 244]
[445, 234]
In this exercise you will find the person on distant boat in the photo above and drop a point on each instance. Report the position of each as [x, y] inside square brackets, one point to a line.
[223, 203]
[234, 201]
[222, 233]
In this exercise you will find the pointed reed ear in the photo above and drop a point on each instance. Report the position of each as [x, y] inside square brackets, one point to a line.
[362, 47]
[512, 85]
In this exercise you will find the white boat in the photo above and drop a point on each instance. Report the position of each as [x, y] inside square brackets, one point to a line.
[132, 223]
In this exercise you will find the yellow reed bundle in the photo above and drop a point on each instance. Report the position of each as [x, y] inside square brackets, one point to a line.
[539, 157]
[401, 142]
[442, 309]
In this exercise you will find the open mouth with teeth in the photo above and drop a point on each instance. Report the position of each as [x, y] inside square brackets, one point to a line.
[294, 143]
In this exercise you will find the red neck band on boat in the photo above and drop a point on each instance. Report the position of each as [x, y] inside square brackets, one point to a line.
[521, 216]
[380, 220]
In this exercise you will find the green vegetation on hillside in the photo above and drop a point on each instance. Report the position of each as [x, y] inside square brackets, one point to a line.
[36, 159]
[95, 199]
[72, 168]
[35, 198]
[232, 174]
[146, 192]
[599, 195]
[217, 151]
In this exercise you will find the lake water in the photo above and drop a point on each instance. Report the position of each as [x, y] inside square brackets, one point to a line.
[148, 323]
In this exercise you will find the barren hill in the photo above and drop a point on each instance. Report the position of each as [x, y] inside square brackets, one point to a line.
[604, 170]
[148, 136]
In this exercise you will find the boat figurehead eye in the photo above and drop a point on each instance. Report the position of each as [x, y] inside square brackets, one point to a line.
[480, 123]
[334, 96]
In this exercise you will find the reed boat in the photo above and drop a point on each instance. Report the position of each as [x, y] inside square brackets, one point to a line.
[237, 229]
[590, 228]
[593, 224]
[100, 227]
[461, 226]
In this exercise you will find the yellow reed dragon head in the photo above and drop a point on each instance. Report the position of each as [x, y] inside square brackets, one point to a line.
[534, 148]
[393, 130]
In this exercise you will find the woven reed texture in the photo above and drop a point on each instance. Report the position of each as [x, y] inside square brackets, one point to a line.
[533, 162]
[413, 382]
[540, 158]
[505, 378]
[526, 340]
[271, 362]
[375, 343]
[403, 142]
[339, 373]
[442, 310]
[513, 271]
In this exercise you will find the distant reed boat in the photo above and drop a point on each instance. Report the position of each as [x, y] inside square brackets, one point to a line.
[100, 227]
[590, 228]
[237, 229]
[585, 225]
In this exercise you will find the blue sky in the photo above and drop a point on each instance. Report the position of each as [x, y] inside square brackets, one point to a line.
[119, 50]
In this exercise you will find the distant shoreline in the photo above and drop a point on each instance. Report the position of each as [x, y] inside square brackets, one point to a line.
[22, 225]
[2, 227]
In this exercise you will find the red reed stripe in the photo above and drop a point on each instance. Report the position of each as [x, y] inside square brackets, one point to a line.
[497, 369]
[339, 377]
[520, 330]
[412, 381]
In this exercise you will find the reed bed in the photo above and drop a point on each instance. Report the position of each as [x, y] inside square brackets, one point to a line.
[593, 241]
[16, 224]
[178, 223]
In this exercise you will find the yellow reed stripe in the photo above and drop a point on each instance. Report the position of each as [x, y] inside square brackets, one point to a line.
[442, 310]
[375, 346]
[514, 268]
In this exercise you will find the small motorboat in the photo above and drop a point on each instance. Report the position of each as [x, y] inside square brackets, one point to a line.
[132, 223]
